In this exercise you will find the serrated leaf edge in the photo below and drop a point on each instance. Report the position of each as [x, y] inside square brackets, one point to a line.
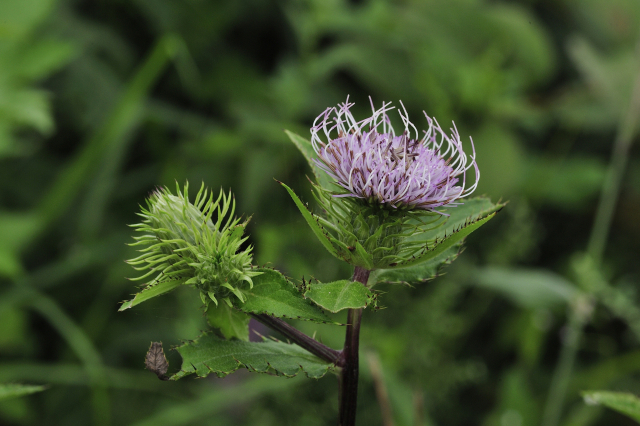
[437, 244]
[295, 287]
[183, 373]
[439, 270]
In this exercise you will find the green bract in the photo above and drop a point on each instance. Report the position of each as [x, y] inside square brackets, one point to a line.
[370, 235]
[184, 246]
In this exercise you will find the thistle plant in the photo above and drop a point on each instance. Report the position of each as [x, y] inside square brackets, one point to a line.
[390, 205]
[386, 188]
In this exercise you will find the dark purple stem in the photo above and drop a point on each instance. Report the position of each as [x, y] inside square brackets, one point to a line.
[349, 359]
[296, 336]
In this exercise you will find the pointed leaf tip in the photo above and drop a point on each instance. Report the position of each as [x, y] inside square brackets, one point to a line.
[150, 292]
[14, 390]
[317, 229]
[125, 305]
[622, 402]
[306, 149]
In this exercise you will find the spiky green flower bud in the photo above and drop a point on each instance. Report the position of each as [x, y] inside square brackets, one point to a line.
[184, 246]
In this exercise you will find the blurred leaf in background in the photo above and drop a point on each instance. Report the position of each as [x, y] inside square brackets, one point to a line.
[27, 57]
[100, 102]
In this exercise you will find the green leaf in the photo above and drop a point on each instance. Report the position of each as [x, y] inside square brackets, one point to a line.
[43, 57]
[622, 402]
[472, 210]
[17, 229]
[421, 272]
[339, 295]
[447, 242]
[305, 147]
[232, 323]
[210, 354]
[18, 22]
[530, 288]
[317, 229]
[447, 237]
[273, 294]
[14, 390]
[150, 292]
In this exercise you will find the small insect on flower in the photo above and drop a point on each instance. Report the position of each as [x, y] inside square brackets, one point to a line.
[369, 161]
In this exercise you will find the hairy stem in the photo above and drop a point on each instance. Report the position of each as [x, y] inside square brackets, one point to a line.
[349, 359]
[299, 338]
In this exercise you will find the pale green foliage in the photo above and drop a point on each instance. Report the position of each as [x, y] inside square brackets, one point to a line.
[26, 59]
[339, 295]
[183, 245]
[622, 402]
[537, 289]
[14, 390]
[232, 323]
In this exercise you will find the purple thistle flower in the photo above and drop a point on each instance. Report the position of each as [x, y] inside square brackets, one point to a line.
[398, 171]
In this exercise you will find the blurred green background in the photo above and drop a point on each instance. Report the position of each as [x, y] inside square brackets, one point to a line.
[101, 101]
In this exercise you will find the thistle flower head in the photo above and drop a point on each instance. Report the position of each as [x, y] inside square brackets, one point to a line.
[194, 244]
[369, 161]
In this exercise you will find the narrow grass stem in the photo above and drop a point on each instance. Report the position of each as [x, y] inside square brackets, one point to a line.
[564, 368]
[381, 389]
[83, 347]
[611, 187]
